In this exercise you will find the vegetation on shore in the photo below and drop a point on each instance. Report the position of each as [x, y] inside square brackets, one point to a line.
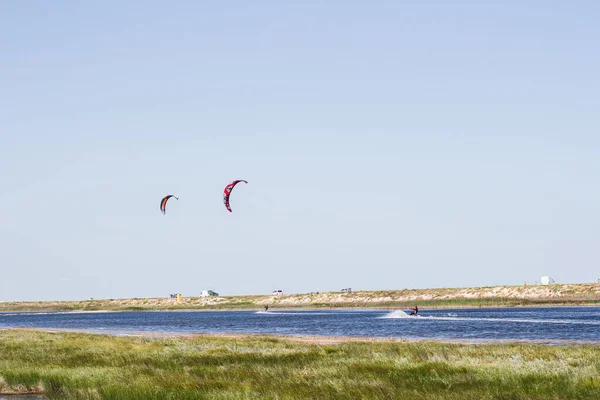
[493, 296]
[86, 366]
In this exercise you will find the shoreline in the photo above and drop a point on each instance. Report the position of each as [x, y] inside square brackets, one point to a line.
[261, 309]
[555, 295]
[308, 339]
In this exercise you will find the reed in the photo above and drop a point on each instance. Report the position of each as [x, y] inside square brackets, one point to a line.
[87, 366]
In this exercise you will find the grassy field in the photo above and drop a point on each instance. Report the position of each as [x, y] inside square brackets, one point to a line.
[86, 366]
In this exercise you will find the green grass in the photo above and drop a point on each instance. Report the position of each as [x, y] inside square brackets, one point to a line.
[85, 366]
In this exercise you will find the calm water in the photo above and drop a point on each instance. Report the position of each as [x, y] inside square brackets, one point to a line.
[550, 325]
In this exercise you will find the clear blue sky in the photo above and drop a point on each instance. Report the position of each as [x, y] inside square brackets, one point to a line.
[387, 145]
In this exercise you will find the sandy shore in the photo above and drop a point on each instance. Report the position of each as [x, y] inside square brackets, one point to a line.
[314, 339]
[492, 296]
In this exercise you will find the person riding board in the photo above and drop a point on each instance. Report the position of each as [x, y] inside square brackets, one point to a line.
[415, 310]
[266, 307]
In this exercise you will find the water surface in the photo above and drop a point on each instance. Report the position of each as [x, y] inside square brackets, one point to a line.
[548, 324]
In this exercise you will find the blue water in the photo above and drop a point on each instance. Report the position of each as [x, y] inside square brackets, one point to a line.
[549, 325]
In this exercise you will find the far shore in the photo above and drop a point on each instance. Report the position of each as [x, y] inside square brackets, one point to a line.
[274, 309]
[583, 294]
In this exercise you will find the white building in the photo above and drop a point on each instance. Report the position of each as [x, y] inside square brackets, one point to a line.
[277, 292]
[546, 280]
[208, 293]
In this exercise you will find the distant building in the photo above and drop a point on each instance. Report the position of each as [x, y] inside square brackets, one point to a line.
[546, 280]
[346, 290]
[208, 293]
[277, 292]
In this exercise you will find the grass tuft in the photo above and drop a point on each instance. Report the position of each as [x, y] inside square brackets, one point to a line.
[77, 366]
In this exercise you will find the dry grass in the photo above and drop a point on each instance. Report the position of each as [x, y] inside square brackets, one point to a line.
[503, 296]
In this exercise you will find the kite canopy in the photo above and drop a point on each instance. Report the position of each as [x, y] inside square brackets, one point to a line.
[227, 193]
[163, 203]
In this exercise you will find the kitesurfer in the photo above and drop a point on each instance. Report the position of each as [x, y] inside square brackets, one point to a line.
[266, 308]
[415, 310]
